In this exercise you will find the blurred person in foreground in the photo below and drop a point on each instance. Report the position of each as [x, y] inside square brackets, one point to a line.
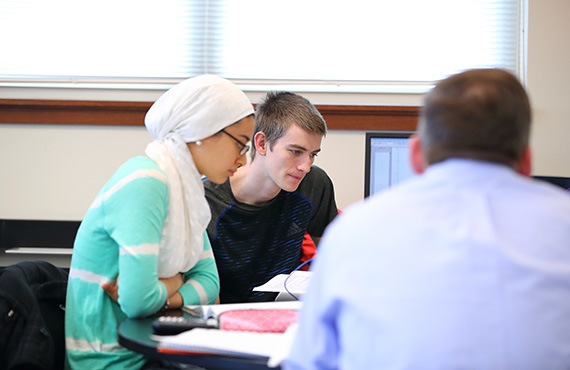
[466, 266]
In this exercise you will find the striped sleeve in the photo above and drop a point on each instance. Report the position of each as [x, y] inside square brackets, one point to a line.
[201, 283]
[134, 212]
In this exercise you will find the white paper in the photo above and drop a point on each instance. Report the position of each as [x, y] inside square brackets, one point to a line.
[282, 352]
[273, 346]
[225, 342]
[296, 284]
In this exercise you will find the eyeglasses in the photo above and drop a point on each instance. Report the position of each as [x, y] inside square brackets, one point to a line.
[243, 147]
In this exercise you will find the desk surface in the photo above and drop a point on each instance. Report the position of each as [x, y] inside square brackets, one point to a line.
[134, 334]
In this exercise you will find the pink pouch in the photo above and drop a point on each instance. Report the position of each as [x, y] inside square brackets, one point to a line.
[268, 321]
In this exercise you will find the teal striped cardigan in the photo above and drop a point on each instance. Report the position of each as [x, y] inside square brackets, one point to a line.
[119, 237]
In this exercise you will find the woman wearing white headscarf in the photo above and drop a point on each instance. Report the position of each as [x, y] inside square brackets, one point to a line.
[147, 223]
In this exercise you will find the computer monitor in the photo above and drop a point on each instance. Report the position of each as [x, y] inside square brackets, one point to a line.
[563, 182]
[387, 160]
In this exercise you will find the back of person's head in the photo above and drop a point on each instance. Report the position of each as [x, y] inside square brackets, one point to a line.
[279, 110]
[481, 114]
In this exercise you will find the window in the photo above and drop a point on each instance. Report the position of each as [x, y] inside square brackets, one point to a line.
[360, 45]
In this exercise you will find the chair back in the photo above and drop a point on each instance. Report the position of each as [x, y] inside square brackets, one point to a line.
[32, 316]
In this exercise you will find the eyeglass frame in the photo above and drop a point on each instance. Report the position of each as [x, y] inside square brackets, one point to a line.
[243, 148]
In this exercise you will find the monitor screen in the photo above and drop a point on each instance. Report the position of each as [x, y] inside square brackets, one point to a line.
[387, 160]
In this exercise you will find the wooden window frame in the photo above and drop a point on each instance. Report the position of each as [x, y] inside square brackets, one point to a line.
[131, 113]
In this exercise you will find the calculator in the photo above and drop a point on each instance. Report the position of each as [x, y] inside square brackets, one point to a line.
[170, 325]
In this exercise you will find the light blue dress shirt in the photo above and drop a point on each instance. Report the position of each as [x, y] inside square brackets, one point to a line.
[464, 267]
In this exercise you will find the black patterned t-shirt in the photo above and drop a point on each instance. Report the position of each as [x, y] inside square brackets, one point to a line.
[252, 244]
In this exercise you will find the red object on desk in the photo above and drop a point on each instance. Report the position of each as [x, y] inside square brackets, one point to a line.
[266, 321]
[309, 249]
[179, 352]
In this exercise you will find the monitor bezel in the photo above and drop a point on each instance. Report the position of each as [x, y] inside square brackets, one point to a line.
[562, 182]
[367, 152]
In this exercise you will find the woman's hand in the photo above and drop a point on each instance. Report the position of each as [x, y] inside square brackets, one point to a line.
[112, 289]
[172, 284]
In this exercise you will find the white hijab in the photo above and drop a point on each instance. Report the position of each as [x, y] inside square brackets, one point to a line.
[190, 111]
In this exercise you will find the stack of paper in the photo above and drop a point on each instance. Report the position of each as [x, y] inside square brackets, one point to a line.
[271, 346]
[289, 286]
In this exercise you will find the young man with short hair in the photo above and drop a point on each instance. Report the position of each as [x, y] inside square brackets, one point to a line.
[261, 214]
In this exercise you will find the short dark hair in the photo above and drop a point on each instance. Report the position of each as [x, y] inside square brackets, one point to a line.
[281, 109]
[481, 114]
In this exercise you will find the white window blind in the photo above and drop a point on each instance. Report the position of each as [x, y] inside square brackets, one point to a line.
[257, 41]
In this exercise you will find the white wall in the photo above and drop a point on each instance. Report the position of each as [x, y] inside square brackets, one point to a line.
[548, 84]
[55, 171]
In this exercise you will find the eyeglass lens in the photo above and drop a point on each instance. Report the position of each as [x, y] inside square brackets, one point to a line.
[244, 148]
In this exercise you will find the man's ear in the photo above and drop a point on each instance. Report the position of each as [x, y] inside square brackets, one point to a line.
[261, 143]
[524, 167]
[417, 157]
